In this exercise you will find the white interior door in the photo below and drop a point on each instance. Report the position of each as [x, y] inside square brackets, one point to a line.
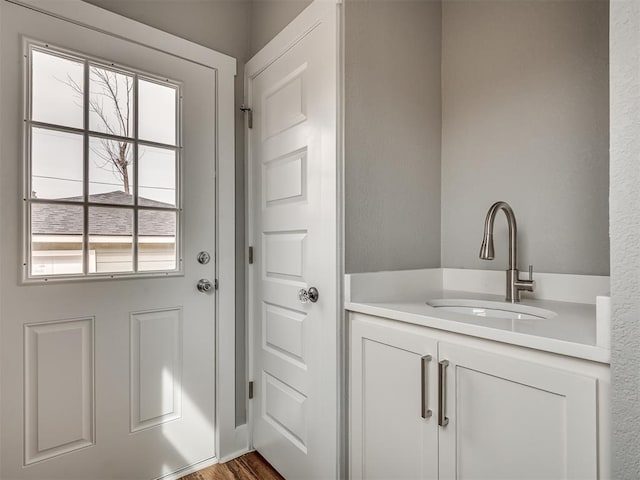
[292, 89]
[104, 378]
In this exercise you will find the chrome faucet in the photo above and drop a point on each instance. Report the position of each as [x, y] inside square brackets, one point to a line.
[514, 284]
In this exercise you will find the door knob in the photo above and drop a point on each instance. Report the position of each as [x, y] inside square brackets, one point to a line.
[205, 286]
[310, 295]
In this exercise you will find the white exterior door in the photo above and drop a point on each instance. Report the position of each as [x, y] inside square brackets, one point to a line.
[292, 86]
[104, 378]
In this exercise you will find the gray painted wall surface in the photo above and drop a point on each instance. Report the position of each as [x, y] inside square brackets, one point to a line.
[392, 127]
[269, 17]
[625, 238]
[525, 119]
[392, 135]
[221, 25]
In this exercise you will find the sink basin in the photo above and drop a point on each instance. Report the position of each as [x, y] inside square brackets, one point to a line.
[484, 308]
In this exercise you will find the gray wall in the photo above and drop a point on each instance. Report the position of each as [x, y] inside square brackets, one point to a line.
[269, 17]
[392, 127]
[392, 134]
[222, 25]
[625, 238]
[525, 119]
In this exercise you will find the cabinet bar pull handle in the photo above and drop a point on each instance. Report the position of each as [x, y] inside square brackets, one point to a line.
[424, 376]
[443, 420]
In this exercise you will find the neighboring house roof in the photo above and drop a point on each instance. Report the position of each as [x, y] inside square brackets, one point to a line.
[56, 219]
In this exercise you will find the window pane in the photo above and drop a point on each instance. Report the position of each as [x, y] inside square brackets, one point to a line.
[110, 240]
[56, 239]
[157, 176]
[57, 90]
[110, 171]
[110, 102]
[156, 240]
[56, 164]
[157, 120]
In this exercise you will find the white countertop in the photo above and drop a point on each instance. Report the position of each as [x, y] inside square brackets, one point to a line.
[571, 332]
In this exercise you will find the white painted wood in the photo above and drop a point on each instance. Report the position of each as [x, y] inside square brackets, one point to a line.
[177, 475]
[82, 13]
[59, 409]
[292, 164]
[504, 403]
[512, 419]
[156, 368]
[284, 178]
[2, 233]
[603, 322]
[284, 333]
[190, 437]
[284, 104]
[389, 437]
[284, 254]
[230, 438]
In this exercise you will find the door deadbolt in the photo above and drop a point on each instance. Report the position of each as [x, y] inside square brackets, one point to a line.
[204, 258]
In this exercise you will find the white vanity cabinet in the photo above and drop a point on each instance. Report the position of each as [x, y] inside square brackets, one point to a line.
[506, 412]
[514, 419]
[393, 395]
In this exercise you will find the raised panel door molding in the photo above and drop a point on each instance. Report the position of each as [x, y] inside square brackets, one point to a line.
[156, 367]
[59, 388]
[285, 408]
[284, 104]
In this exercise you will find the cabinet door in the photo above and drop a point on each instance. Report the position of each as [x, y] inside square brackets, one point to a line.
[511, 419]
[393, 436]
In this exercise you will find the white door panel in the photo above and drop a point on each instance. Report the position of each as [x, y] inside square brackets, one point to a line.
[513, 419]
[111, 389]
[294, 235]
[393, 403]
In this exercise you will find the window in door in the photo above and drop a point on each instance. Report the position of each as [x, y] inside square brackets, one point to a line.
[102, 159]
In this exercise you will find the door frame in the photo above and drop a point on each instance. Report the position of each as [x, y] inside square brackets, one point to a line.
[289, 36]
[229, 439]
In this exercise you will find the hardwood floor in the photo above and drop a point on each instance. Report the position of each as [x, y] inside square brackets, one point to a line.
[250, 466]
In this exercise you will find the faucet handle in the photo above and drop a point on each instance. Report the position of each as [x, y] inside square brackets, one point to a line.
[531, 273]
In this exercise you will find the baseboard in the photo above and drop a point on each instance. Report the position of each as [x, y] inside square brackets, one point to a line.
[190, 469]
[235, 454]
[203, 464]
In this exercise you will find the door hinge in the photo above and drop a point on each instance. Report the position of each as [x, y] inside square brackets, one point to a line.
[250, 390]
[250, 255]
[215, 284]
[249, 112]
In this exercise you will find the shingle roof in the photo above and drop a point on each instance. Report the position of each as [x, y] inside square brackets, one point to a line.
[57, 219]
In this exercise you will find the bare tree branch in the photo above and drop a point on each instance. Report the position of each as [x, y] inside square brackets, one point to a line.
[113, 155]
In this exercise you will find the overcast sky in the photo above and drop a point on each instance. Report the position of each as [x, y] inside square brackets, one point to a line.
[57, 157]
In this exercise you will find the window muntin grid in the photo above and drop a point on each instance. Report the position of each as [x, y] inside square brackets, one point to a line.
[155, 248]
